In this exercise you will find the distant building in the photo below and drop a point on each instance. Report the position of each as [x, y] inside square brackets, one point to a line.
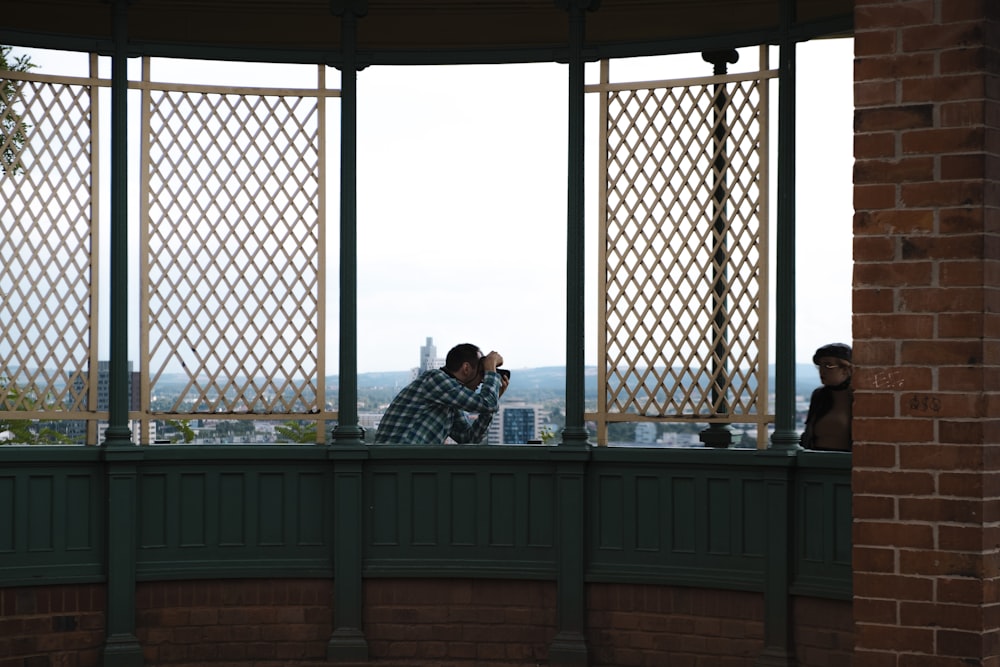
[645, 433]
[369, 421]
[428, 359]
[515, 424]
[77, 430]
[103, 393]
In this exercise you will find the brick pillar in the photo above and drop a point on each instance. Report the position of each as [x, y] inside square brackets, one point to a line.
[927, 333]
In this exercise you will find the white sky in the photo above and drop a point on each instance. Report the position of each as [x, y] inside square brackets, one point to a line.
[462, 200]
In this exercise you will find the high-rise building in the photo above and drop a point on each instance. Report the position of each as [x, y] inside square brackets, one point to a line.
[515, 424]
[77, 430]
[428, 359]
[103, 378]
[428, 356]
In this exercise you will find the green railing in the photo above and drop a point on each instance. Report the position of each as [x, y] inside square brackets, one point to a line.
[676, 516]
[748, 520]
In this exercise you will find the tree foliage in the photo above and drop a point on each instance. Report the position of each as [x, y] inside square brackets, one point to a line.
[13, 129]
[292, 431]
[183, 430]
[25, 431]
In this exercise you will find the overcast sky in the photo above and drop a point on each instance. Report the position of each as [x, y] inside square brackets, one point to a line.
[462, 216]
[462, 204]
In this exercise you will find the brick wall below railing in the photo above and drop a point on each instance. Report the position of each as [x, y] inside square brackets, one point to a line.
[411, 623]
[823, 632]
[460, 622]
[220, 621]
[52, 626]
[636, 624]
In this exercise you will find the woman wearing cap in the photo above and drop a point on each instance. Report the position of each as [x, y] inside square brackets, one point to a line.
[828, 422]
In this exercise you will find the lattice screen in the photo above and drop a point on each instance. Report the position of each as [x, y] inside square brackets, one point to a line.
[47, 245]
[232, 262]
[684, 252]
[234, 245]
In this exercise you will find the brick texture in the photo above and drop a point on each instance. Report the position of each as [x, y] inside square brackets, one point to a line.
[287, 621]
[927, 136]
[416, 623]
[459, 622]
[661, 625]
[823, 632]
[51, 626]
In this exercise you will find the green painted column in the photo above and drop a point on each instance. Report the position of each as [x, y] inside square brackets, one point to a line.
[121, 647]
[779, 650]
[348, 643]
[784, 436]
[575, 432]
[569, 646]
[347, 431]
[118, 433]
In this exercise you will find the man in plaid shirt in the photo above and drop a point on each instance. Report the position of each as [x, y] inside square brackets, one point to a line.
[434, 406]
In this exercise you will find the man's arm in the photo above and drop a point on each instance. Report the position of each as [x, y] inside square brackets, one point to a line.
[465, 430]
[450, 392]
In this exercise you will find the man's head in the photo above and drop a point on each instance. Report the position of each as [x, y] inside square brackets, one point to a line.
[834, 364]
[834, 350]
[463, 362]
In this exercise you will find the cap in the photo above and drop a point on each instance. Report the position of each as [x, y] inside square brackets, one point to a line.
[835, 350]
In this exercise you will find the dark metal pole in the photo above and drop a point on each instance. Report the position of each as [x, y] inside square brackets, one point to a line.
[785, 436]
[118, 433]
[121, 646]
[569, 646]
[347, 431]
[575, 432]
[348, 643]
[778, 644]
[719, 435]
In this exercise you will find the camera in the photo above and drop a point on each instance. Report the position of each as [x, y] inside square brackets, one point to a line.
[502, 371]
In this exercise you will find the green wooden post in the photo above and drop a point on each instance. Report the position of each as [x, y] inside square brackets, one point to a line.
[575, 433]
[785, 436]
[347, 430]
[121, 647]
[778, 650]
[569, 646]
[348, 641]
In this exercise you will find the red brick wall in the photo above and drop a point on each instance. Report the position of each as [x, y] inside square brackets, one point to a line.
[51, 626]
[459, 622]
[287, 621]
[926, 331]
[823, 632]
[411, 623]
[633, 624]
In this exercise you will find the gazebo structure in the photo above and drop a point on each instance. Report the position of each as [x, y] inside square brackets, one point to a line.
[123, 554]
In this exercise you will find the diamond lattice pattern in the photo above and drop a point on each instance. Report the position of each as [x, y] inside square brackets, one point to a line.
[233, 250]
[46, 242]
[683, 259]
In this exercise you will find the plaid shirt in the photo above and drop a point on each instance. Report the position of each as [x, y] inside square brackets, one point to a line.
[433, 407]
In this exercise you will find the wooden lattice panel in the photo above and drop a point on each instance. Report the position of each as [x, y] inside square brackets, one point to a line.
[683, 260]
[47, 245]
[233, 249]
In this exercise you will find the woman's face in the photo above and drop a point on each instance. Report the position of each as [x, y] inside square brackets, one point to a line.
[833, 371]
